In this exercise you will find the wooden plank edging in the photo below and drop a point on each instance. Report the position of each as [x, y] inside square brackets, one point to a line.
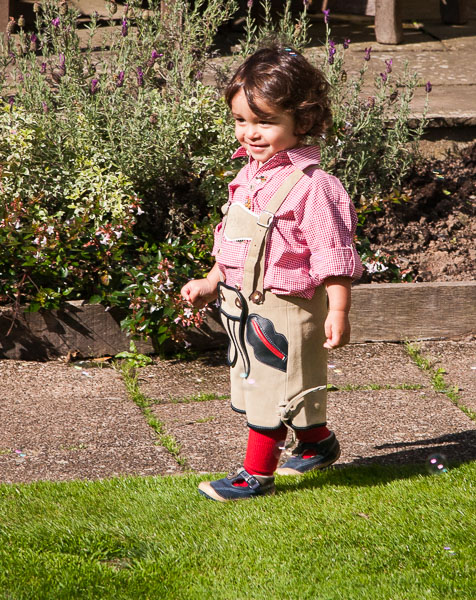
[395, 312]
[380, 312]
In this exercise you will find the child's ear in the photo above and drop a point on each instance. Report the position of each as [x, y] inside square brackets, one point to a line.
[303, 126]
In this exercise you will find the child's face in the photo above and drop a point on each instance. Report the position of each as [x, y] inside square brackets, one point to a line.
[262, 138]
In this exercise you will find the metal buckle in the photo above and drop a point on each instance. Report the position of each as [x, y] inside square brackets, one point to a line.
[269, 219]
[252, 482]
[257, 297]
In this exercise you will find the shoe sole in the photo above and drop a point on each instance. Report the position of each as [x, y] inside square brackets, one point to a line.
[289, 471]
[209, 492]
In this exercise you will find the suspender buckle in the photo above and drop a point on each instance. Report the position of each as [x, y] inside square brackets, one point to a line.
[257, 297]
[265, 219]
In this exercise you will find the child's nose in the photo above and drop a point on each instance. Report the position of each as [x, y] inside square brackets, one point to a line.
[252, 131]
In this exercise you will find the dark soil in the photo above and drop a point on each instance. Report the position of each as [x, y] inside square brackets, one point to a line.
[432, 233]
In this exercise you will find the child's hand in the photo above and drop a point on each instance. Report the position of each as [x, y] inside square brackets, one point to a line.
[199, 292]
[337, 329]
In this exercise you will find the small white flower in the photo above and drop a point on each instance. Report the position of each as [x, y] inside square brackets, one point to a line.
[187, 313]
[140, 211]
[50, 230]
[169, 284]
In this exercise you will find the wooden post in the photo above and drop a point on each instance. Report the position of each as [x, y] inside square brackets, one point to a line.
[5, 8]
[388, 22]
[454, 12]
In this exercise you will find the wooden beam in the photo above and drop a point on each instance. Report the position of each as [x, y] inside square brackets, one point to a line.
[413, 311]
[388, 22]
[390, 312]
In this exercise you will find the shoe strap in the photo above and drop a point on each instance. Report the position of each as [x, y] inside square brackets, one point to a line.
[242, 473]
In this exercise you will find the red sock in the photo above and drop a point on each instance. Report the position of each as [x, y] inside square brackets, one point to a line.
[316, 434]
[263, 451]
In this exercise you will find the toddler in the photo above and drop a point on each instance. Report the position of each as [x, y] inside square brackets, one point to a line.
[284, 265]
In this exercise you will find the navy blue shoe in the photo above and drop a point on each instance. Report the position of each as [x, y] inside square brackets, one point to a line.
[223, 490]
[327, 452]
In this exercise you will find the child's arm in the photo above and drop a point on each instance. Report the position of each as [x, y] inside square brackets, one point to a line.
[199, 292]
[337, 325]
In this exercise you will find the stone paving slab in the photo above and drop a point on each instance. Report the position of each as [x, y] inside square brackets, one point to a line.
[399, 426]
[458, 359]
[378, 364]
[60, 422]
[72, 423]
[172, 379]
[212, 435]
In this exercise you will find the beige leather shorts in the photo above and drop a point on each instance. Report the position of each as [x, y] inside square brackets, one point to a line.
[276, 353]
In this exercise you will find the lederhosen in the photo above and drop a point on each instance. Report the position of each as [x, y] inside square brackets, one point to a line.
[278, 363]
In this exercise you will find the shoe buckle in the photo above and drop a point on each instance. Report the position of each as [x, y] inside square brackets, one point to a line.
[252, 482]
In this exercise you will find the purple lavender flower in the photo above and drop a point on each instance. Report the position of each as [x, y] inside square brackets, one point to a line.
[94, 85]
[428, 87]
[55, 22]
[140, 77]
[249, 4]
[346, 43]
[43, 68]
[389, 64]
[62, 60]
[125, 27]
[332, 51]
[44, 107]
[306, 3]
[120, 79]
[153, 57]
[367, 53]
[11, 101]
[384, 77]
[326, 15]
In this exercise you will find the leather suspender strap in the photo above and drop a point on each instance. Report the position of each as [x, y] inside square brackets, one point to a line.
[253, 275]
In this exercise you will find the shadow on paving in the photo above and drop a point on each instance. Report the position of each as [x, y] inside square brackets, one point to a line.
[457, 448]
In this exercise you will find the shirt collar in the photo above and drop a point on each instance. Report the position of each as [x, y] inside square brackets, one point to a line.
[300, 157]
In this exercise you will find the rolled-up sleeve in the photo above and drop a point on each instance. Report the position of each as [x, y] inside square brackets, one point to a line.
[328, 222]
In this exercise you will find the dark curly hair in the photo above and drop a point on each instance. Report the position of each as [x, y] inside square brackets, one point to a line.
[284, 79]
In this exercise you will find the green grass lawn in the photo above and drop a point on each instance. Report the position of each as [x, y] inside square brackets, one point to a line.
[390, 533]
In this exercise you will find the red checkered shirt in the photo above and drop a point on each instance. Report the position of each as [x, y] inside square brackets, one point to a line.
[311, 237]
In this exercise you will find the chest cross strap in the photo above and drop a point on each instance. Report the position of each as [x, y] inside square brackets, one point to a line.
[253, 274]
